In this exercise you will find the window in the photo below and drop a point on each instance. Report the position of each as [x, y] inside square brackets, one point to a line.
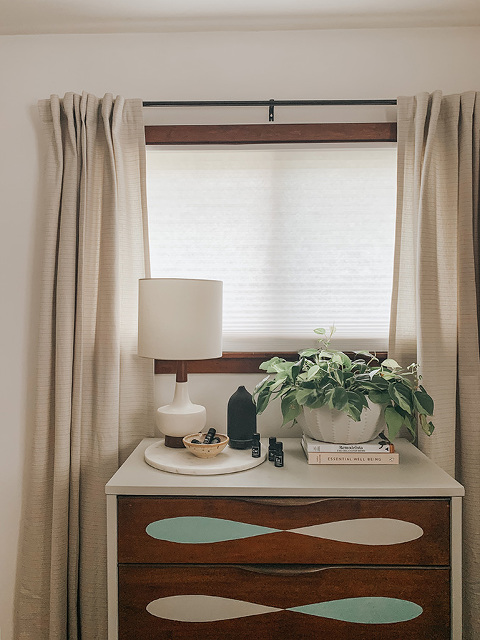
[302, 236]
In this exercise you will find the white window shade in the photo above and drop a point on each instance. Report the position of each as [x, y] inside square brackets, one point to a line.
[301, 237]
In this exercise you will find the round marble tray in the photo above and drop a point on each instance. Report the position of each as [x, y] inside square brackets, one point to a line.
[182, 461]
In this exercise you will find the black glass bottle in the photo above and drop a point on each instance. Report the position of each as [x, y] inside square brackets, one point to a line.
[241, 419]
[272, 442]
[279, 454]
[256, 446]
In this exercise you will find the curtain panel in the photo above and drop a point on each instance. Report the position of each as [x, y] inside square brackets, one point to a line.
[94, 394]
[434, 316]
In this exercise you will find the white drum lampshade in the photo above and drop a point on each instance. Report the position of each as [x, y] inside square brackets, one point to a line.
[180, 319]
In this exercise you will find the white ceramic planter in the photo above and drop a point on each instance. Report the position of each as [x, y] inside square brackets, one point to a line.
[330, 425]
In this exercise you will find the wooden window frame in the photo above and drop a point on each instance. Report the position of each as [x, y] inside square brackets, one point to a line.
[248, 362]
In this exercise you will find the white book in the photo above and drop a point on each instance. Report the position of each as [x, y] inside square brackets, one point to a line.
[378, 445]
[350, 458]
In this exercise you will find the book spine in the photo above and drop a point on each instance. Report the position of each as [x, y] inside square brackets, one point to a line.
[327, 447]
[351, 458]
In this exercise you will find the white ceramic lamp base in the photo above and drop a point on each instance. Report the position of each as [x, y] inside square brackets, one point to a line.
[181, 417]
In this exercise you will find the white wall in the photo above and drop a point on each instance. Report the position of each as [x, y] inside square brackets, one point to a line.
[296, 65]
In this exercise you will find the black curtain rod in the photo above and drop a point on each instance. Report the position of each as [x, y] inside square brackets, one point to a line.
[271, 104]
[264, 103]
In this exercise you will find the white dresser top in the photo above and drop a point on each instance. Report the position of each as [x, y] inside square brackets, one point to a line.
[416, 475]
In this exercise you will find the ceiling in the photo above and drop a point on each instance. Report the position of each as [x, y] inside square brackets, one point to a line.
[137, 16]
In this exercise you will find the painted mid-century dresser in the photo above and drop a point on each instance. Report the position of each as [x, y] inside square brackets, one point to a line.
[299, 552]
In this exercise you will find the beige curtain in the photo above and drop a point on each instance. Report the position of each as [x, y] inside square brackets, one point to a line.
[435, 318]
[94, 393]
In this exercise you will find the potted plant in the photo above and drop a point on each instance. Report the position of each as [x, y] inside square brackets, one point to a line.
[327, 386]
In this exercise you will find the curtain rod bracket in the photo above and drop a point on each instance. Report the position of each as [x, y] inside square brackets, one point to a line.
[271, 111]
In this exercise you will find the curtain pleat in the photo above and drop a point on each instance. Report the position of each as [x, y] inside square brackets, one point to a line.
[94, 394]
[435, 302]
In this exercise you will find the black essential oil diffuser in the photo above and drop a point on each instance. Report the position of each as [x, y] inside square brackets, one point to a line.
[241, 419]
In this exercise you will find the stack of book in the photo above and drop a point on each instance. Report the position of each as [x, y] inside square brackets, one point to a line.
[378, 451]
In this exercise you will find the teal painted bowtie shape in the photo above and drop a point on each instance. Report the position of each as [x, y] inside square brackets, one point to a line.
[365, 610]
[205, 530]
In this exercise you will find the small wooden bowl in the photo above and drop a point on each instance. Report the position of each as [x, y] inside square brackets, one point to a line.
[205, 450]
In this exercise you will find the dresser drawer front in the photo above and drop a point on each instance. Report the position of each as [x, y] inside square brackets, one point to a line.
[219, 602]
[325, 531]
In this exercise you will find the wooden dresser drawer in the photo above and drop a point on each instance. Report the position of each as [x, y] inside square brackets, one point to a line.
[323, 531]
[180, 602]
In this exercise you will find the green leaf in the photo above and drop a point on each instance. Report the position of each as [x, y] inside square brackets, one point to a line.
[359, 367]
[423, 403]
[268, 365]
[328, 392]
[338, 375]
[358, 400]
[320, 332]
[326, 354]
[322, 384]
[278, 381]
[312, 371]
[401, 395]
[394, 422]
[290, 407]
[372, 385]
[368, 354]
[301, 378]
[302, 383]
[380, 383]
[401, 412]
[354, 412]
[411, 424]
[339, 398]
[307, 353]
[296, 369]
[344, 360]
[427, 427]
[263, 398]
[282, 366]
[388, 375]
[316, 400]
[303, 395]
[391, 364]
[265, 383]
[379, 397]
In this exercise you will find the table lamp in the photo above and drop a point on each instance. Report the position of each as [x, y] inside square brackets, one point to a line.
[180, 319]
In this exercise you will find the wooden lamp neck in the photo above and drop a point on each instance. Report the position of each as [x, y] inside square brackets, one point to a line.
[181, 371]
